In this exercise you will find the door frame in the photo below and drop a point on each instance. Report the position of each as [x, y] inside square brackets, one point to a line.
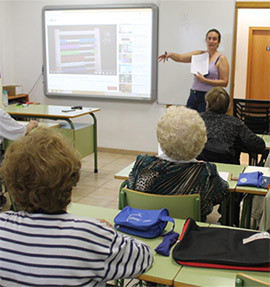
[241, 5]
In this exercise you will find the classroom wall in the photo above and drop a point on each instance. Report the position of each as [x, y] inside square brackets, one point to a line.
[121, 125]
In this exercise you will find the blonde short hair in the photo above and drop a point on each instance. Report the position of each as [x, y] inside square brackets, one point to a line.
[181, 133]
[218, 100]
[40, 170]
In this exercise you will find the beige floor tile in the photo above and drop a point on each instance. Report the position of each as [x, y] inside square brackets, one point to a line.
[105, 193]
[114, 184]
[81, 191]
[118, 164]
[96, 201]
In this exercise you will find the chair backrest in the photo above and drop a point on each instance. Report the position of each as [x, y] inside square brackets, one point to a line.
[179, 206]
[255, 114]
[243, 280]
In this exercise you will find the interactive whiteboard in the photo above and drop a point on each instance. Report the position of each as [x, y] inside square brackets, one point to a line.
[101, 51]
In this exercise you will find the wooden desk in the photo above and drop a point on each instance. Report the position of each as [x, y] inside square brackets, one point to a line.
[123, 174]
[164, 268]
[56, 113]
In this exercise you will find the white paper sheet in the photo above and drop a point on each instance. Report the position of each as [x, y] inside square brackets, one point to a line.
[264, 170]
[224, 175]
[200, 63]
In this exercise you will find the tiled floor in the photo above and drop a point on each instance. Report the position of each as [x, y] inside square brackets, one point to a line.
[101, 189]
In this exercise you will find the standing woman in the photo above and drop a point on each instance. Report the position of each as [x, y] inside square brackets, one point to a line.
[218, 74]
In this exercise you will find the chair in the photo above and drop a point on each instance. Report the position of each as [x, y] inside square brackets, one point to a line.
[255, 114]
[243, 280]
[179, 206]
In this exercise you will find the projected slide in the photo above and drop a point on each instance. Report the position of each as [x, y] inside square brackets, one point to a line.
[82, 50]
[100, 52]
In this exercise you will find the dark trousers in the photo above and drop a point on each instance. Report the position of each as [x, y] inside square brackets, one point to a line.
[196, 101]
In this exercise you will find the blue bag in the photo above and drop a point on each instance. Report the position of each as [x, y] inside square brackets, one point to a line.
[141, 222]
[250, 179]
[265, 182]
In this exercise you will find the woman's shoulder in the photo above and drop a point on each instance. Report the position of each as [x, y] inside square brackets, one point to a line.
[146, 158]
[221, 59]
[211, 167]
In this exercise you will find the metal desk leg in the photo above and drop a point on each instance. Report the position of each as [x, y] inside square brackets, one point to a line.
[72, 128]
[95, 143]
[231, 208]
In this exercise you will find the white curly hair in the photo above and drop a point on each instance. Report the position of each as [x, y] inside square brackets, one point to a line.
[181, 133]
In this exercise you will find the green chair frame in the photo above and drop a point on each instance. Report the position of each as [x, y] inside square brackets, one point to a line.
[243, 280]
[179, 206]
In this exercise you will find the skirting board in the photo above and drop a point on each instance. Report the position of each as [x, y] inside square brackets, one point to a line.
[124, 151]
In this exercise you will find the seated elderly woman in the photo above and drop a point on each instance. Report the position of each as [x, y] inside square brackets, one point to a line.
[227, 136]
[43, 245]
[181, 134]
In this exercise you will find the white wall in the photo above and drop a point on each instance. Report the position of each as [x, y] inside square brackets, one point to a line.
[246, 18]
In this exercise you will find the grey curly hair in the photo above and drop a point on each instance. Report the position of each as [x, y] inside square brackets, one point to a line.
[181, 133]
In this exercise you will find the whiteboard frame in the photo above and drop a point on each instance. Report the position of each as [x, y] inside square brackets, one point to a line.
[154, 66]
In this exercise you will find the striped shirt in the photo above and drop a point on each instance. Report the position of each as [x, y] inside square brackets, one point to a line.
[65, 250]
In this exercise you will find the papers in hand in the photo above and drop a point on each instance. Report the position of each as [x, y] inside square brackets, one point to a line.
[200, 63]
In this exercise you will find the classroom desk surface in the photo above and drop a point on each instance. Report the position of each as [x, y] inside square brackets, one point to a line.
[53, 112]
[234, 170]
[194, 276]
[49, 111]
[123, 173]
[164, 269]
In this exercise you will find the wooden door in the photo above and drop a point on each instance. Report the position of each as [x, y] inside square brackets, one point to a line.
[258, 67]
